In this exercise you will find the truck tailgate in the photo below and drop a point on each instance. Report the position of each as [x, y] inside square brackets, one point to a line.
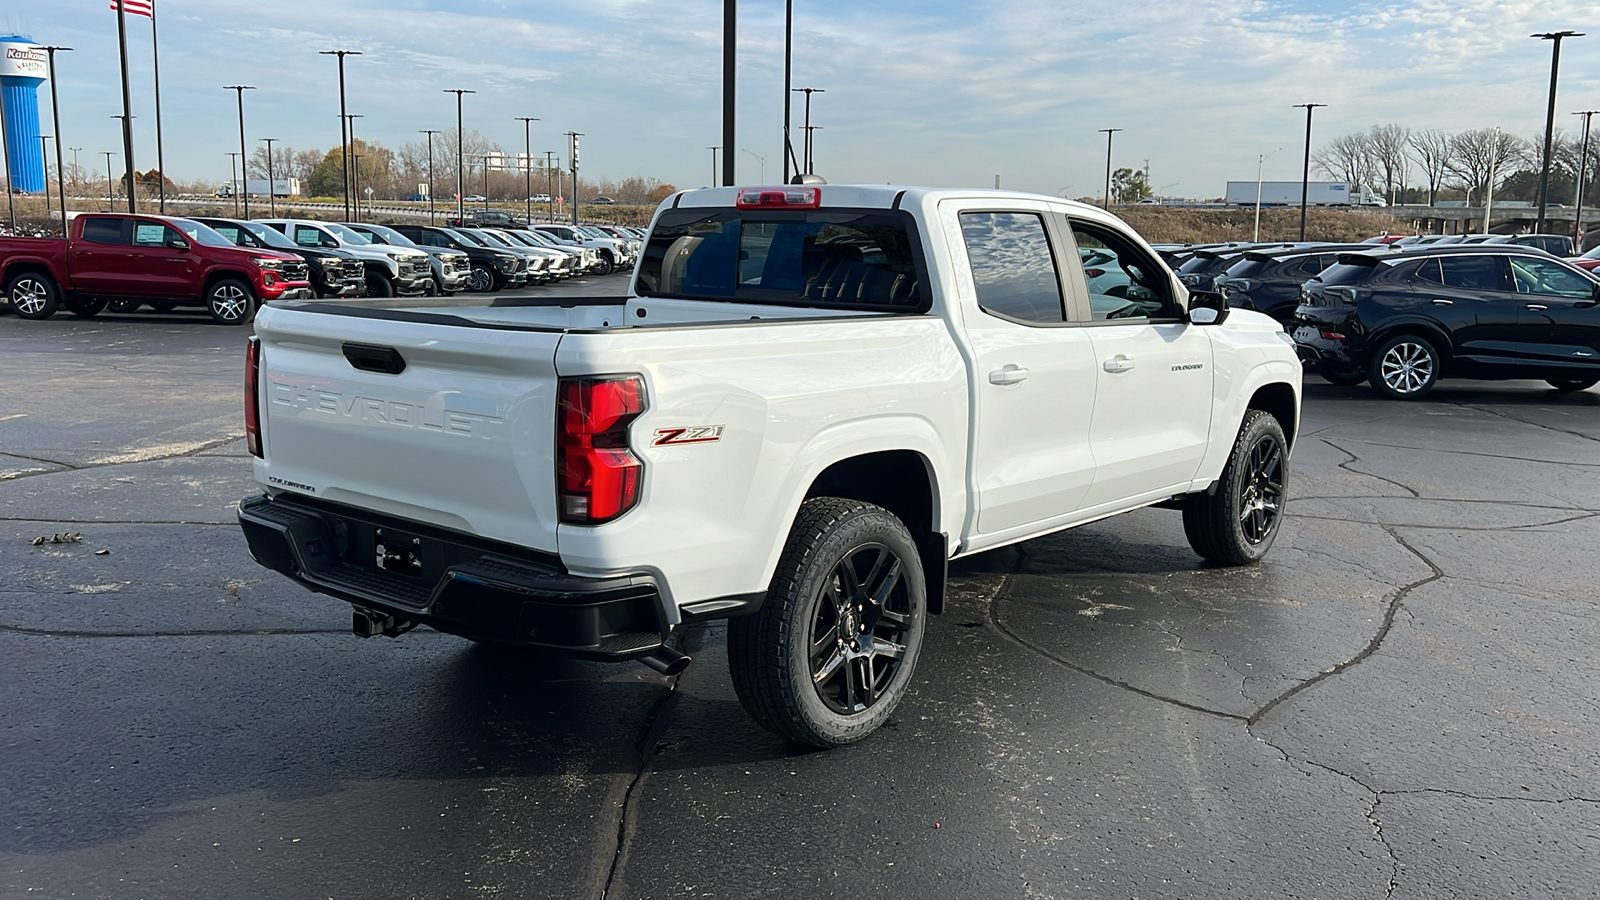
[438, 423]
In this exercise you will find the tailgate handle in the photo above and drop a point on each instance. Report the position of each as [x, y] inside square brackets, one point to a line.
[372, 358]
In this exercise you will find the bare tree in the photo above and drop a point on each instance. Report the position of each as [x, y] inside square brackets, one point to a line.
[1347, 158]
[1475, 154]
[1431, 149]
[1387, 144]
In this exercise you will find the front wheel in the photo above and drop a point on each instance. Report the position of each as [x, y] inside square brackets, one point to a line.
[378, 286]
[482, 281]
[831, 652]
[1405, 367]
[606, 265]
[1568, 385]
[33, 296]
[86, 307]
[1236, 524]
[231, 302]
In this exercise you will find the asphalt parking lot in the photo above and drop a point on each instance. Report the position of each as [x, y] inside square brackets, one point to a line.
[1402, 701]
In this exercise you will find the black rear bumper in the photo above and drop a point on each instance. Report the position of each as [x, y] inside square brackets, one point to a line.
[467, 586]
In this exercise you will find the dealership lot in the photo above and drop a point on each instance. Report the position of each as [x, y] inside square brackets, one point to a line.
[1400, 701]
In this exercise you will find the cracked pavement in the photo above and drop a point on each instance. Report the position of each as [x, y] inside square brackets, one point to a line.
[1401, 701]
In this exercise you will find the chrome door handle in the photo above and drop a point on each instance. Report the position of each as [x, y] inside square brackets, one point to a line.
[1010, 373]
[1535, 306]
[1118, 363]
[1439, 302]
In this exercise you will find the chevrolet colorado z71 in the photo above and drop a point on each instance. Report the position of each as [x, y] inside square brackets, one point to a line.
[813, 398]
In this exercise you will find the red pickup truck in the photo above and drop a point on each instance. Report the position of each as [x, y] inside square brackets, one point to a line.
[161, 260]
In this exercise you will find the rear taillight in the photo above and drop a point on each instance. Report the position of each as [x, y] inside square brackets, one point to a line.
[1094, 273]
[596, 475]
[252, 397]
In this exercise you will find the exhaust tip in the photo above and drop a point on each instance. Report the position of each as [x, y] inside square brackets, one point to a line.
[666, 660]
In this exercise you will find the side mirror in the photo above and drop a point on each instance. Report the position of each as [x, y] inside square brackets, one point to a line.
[1203, 315]
[177, 244]
[330, 243]
[1207, 309]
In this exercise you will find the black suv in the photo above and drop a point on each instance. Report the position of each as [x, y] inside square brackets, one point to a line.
[1199, 271]
[1403, 319]
[334, 273]
[1269, 280]
[492, 269]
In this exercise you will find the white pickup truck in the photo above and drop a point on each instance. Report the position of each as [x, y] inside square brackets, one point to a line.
[813, 398]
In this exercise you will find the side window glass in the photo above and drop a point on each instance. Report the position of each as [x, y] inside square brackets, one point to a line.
[1429, 271]
[149, 234]
[307, 237]
[1310, 265]
[1013, 268]
[1130, 284]
[1472, 273]
[1538, 276]
[103, 231]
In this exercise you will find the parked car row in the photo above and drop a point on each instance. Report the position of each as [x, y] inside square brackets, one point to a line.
[231, 266]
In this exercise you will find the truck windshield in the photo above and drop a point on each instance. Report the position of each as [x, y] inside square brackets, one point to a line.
[829, 258]
[345, 234]
[390, 236]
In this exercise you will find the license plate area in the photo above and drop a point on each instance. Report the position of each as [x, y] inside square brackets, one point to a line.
[1305, 334]
[397, 552]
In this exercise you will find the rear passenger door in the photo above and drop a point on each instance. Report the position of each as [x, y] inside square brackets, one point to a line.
[1153, 372]
[1471, 296]
[1033, 369]
[101, 258]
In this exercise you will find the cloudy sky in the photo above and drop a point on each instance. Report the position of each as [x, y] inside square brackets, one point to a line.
[937, 92]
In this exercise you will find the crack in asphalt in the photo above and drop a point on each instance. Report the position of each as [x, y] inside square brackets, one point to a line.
[1515, 504]
[1464, 795]
[1351, 424]
[1377, 830]
[627, 817]
[1511, 418]
[110, 521]
[220, 632]
[1448, 527]
[1415, 494]
[68, 467]
[1523, 459]
[1370, 813]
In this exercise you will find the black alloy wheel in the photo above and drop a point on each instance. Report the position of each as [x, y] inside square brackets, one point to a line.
[1406, 367]
[606, 265]
[831, 652]
[482, 281]
[1567, 385]
[1237, 522]
[377, 286]
[33, 296]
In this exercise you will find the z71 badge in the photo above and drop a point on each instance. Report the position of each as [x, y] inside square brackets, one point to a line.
[693, 434]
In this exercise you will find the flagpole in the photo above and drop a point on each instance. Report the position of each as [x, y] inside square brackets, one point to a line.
[161, 160]
[127, 104]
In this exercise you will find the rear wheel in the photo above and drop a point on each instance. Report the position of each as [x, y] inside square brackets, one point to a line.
[1237, 523]
[163, 305]
[231, 302]
[33, 296]
[1405, 367]
[1568, 385]
[832, 650]
[123, 306]
[86, 307]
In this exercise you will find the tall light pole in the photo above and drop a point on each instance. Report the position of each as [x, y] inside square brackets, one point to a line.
[44, 154]
[128, 174]
[244, 154]
[1488, 189]
[1261, 161]
[355, 169]
[788, 70]
[1305, 174]
[344, 141]
[127, 111]
[272, 187]
[1109, 132]
[811, 145]
[430, 133]
[714, 168]
[55, 118]
[763, 163]
[233, 162]
[573, 155]
[461, 155]
[805, 163]
[1554, 37]
[730, 40]
[550, 181]
[527, 162]
[1583, 173]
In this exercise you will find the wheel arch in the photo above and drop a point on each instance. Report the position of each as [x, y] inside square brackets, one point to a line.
[1438, 337]
[1279, 400]
[25, 265]
[217, 275]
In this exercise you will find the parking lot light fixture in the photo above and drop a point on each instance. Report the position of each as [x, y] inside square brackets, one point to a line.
[527, 162]
[1583, 173]
[1261, 160]
[430, 133]
[344, 141]
[234, 186]
[805, 153]
[1109, 132]
[111, 191]
[461, 155]
[44, 155]
[244, 154]
[355, 170]
[272, 187]
[55, 117]
[1554, 37]
[714, 168]
[1305, 174]
[763, 163]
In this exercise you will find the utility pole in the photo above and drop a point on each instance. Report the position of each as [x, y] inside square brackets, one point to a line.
[235, 185]
[550, 181]
[714, 168]
[1305, 174]
[344, 139]
[805, 165]
[430, 133]
[1583, 173]
[44, 155]
[244, 154]
[55, 118]
[1261, 161]
[573, 155]
[461, 156]
[788, 70]
[527, 162]
[127, 111]
[1549, 120]
[1108, 132]
[730, 39]
[128, 178]
[111, 192]
[355, 171]
[272, 187]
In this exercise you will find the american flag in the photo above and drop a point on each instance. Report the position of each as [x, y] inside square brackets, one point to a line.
[137, 7]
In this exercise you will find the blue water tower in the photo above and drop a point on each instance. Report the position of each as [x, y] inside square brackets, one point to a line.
[24, 66]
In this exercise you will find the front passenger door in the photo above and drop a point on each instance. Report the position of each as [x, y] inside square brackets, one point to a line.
[1153, 370]
[1560, 316]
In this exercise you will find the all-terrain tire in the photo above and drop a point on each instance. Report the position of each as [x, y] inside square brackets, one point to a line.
[1237, 524]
